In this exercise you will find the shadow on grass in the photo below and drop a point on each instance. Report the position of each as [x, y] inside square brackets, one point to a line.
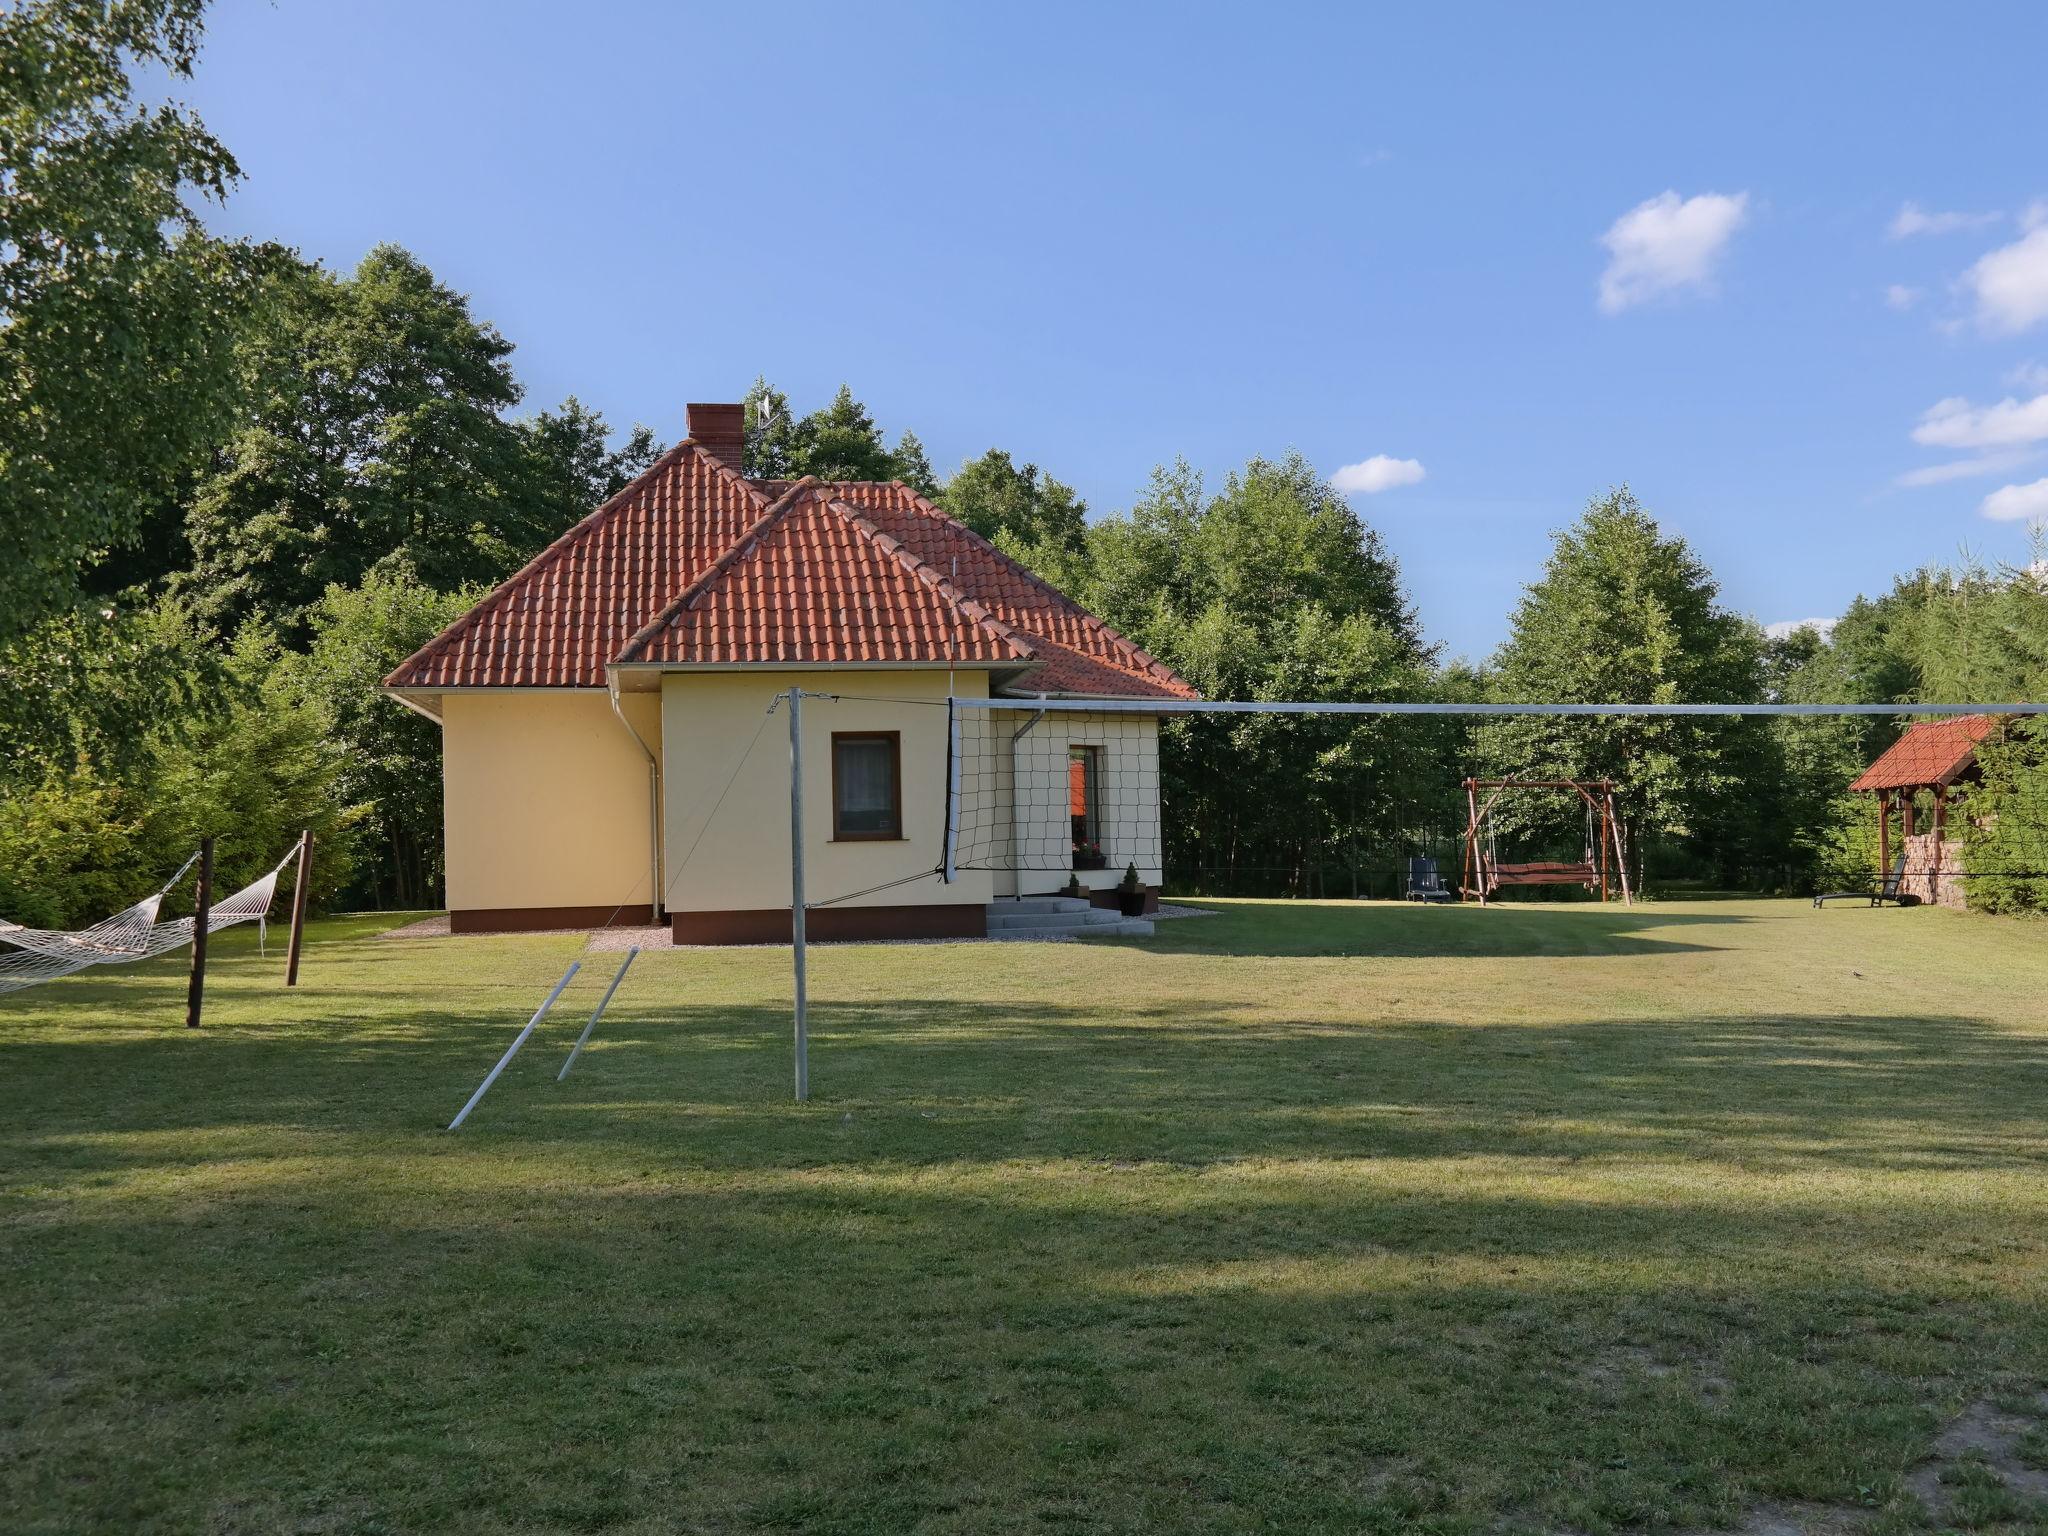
[1410, 930]
[706, 1086]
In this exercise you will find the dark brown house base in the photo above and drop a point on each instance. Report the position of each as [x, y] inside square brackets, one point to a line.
[534, 919]
[962, 920]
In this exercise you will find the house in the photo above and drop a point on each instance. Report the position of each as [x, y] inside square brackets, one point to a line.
[1934, 758]
[609, 755]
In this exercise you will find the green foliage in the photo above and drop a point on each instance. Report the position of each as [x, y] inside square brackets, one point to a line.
[1273, 588]
[993, 496]
[72, 849]
[82, 839]
[116, 308]
[1940, 636]
[390, 757]
[573, 466]
[1625, 614]
[102, 686]
[839, 441]
[2005, 822]
[253, 777]
[379, 433]
[914, 466]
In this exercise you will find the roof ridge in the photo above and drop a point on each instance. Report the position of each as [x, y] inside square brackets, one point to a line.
[973, 608]
[556, 548]
[1115, 637]
[746, 542]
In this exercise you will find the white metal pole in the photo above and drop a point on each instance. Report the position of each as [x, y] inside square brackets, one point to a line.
[513, 1049]
[796, 888]
[606, 1002]
[952, 785]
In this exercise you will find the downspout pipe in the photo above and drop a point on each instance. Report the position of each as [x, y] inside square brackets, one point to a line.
[654, 903]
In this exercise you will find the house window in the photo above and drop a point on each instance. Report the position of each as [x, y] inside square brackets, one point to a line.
[1084, 795]
[867, 786]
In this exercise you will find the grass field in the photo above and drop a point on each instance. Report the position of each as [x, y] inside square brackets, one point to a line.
[1308, 1218]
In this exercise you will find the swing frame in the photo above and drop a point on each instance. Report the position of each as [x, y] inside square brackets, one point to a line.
[1482, 874]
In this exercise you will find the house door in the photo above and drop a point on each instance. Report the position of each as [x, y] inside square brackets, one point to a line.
[1084, 802]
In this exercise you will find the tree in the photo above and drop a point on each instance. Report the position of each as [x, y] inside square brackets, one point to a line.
[379, 432]
[1625, 614]
[116, 308]
[914, 466]
[771, 447]
[391, 756]
[104, 687]
[574, 466]
[839, 441]
[993, 496]
[1273, 588]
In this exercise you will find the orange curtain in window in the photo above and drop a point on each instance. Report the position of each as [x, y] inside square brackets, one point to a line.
[1077, 786]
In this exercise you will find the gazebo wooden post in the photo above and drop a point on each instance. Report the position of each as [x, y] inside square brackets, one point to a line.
[1606, 811]
[1940, 842]
[1465, 867]
[1884, 836]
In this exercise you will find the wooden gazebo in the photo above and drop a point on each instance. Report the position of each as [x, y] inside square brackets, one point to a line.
[1935, 756]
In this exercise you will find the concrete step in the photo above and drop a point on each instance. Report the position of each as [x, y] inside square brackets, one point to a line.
[1040, 904]
[1001, 919]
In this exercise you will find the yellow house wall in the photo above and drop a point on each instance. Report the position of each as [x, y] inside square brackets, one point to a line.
[544, 797]
[726, 804]
[1031, 770]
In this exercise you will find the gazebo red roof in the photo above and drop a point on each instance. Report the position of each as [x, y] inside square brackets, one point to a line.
[1932, 754]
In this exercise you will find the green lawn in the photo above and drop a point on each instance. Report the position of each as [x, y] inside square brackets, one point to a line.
[1304, 1218]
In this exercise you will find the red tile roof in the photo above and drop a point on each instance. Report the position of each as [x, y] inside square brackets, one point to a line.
[692, 565]
[1933, 752]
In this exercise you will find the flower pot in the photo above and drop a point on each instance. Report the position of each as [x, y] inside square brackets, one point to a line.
[1129, 902]
[1090, 860]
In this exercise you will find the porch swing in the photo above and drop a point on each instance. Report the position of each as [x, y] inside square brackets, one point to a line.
[1485, 873]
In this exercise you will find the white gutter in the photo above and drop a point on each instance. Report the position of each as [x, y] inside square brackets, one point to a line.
[654, 904]
[415, 707]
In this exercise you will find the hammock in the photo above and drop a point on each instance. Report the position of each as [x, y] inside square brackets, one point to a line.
[44, 954]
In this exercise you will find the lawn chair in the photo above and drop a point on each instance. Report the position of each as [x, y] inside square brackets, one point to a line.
[1425, 884]
[1886, 891]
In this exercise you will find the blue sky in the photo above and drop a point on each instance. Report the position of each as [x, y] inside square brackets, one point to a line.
[1771, 265]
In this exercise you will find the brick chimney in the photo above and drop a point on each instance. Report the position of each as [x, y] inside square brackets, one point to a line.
[721, 431]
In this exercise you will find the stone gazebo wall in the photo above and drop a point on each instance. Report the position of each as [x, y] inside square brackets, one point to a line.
[1934, 869]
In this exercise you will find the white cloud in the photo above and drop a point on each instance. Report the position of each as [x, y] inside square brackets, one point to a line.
[1666, 244]
[1912, 219]
[2029, 376]
[1376, 474]
[1955, 423]
[2014, 502]
[1785, 628]
[1899, 296]
[2011, 283]
[1965, 469]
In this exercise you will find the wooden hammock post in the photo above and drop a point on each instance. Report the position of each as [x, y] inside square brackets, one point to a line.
[202, 911]
[300, 890]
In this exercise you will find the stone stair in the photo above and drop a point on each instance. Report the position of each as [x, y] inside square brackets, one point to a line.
[1061, 917]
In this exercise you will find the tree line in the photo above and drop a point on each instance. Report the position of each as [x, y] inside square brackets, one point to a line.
[236, 488]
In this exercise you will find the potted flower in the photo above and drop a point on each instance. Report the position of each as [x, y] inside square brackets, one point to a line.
[1073, 890]
[1130, 893]
[1090, 856]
